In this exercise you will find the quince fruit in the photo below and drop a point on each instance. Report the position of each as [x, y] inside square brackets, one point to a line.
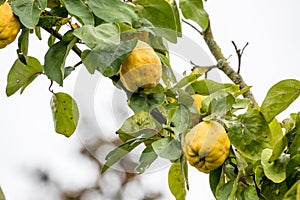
[206, 146]
[141, 69]
[195, 117]
[198, 101]
[9, 25]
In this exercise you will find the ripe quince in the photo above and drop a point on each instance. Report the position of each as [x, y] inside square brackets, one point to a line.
[198, 101]
[9, 25]
[141, 69]
[206, 146]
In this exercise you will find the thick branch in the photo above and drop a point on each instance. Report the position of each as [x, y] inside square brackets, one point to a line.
[223, 64]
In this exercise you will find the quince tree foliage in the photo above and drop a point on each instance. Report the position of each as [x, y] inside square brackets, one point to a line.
[263, 161]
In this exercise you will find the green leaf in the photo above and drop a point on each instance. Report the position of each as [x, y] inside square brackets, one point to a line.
[113, 11]
[180, 120]
[51, 40]
[55, 58]
[21, 74]
[104, 36]
[293, 134]
[250, 193]
[275, 171]
[119, 152]
[250, 135]
[65, 113]
[241, 103]
[225, 190]
[68, 36]
[37, 31]
[184, 171]
[68, 71]
[161, 15]
[141, 125]
[2, 1]
[193, 9]
[167, 148]
[23, 41]
[217, 104]
[235, 185]
[109, 60]
[50, 21]
[278, 142]
[293, 170]
[271, 190]
[143, 24]
[187, 80]
[259, 175]
[167, 73]
[177, 18]
[140, 101]
[80, 10]
[293, 193]
[2, 197]
[176, 182]
[28, 82]
[294, 147]
[59, 10]
[206, 87]
[241, 91]
[279, 97]
[53, 3]
[127, 32]
[148, 156]
[29, 11]
[240, 161]
[184, 98]
[214, 179]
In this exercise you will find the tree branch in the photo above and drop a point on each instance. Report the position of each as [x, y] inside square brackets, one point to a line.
[59, 36]
[223, 64]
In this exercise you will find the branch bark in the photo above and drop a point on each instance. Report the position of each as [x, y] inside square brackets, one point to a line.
[223, 64]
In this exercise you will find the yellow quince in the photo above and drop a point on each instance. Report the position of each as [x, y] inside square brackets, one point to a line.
[9, 25]
[206, 146]
[198, 101]
[141, 69]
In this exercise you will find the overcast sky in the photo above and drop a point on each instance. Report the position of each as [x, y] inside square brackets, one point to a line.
[27, 137]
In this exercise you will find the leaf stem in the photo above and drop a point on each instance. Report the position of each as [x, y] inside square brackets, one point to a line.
[50, 88]
[223, 64]
[191, 25]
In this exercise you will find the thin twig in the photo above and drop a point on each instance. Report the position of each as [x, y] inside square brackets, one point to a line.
[244, 47]
[203, 69]
[77, 64]
[194, 27]
[239, 53]
[223, 64]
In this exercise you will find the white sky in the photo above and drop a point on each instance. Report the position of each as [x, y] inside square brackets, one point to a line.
[27, 138]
